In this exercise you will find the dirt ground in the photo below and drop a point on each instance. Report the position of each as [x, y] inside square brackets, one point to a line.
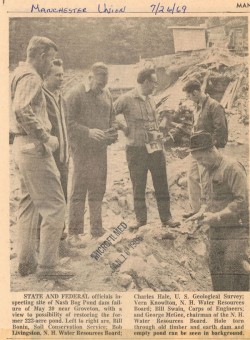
[153, 258]
[164, 260]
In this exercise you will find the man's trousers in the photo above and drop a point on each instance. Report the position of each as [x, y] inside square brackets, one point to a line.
[139, 162]
[227, 251]
[89, 176]
[198, 184]
[63, 170]
[41, 194]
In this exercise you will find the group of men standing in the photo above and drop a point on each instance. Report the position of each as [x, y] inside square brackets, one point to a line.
[41, 153]
[48, 126]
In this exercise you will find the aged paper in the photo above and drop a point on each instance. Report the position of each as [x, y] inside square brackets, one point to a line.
[154, 281]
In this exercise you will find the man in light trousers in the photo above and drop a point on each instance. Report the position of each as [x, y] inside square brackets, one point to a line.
[41, 190]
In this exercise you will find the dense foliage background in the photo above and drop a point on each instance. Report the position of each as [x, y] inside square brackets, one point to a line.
[82, 41]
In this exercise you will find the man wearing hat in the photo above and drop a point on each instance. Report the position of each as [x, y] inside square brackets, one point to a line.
[226, 213]
[209, 116]
[90, 115]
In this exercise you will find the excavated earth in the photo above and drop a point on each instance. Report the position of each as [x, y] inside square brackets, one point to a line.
[159, 259]
[153, 258]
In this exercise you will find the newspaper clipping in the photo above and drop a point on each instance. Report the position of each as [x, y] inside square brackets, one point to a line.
[125, 163]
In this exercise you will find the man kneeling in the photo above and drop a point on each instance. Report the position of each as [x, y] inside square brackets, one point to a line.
[226, 213]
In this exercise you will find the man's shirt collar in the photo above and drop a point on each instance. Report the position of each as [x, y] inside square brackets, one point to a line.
[202, 100]
[56, 94]
[138, 94]
[88, 88]
[217, 162]
[29, 67]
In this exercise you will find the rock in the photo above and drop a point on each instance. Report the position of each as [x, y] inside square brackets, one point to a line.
[168, 236]
[114, 205]
[182, 182]
[192, 274]
[174, 286]
[200, 249]
[180, 240]
[183, 261]
[182, 279]
[112, 257]
[248, 252]
[13, 256]
[124, 280]
[240, 141]
[49, 285]
[133, 264]
[122, 202]
[155, 232]
[136, 252]
[246, 266]
[147, 231]
[130, 202]
[12, 221]
[166, 279]
[131, 287]
[64, 260]
[151, 260]
[146, 250]
[119, 248]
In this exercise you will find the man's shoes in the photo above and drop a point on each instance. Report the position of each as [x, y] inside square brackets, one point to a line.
[25, 269]
[171, 223]
[66, 251]
[76, 241]
[189, 214]
[137, 225]
[54, 274]
[98, 233]
[64, 236]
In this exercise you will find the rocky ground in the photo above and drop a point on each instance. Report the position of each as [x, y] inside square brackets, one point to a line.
[153, 258]
[157, 258]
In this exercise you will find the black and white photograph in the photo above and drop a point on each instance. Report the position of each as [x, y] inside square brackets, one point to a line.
[129, 154]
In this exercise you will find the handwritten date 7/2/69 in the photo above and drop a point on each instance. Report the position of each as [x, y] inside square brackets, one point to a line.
[159, 8]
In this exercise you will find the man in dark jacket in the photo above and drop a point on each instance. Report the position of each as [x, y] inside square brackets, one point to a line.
[56, 109]
[209, 116]
[90, 115]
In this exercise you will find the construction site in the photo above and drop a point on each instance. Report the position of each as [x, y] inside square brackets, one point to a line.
[155, 258]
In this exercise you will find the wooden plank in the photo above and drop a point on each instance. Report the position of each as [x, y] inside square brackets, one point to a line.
[204, 84]
[225, 97]
[233, 93]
